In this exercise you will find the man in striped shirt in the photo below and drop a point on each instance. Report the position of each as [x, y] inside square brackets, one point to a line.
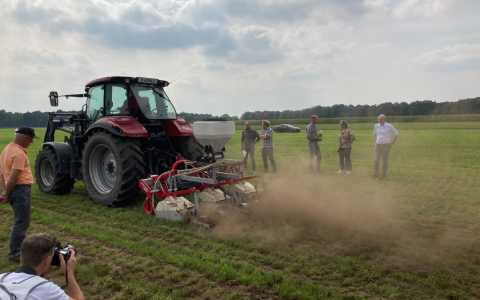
[383, 143]
[267, 150]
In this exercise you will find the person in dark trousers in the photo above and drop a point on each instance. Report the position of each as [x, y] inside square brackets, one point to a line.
[383, 143]
[249, 138]
[36, 254]
[314, 149]
[345, 141]
[16, 180]
[267, 150]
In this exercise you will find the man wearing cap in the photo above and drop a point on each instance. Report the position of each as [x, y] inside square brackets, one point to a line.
[16, 180]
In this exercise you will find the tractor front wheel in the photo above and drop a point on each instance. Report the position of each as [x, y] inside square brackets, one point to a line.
[112, 167]
[48, 179]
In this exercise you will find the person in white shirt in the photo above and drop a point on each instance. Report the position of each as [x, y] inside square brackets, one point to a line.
[36, 256]
[383, 143]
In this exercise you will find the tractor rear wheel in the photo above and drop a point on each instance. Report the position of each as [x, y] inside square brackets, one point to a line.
[188, 147]
[48, 179]
[112, 167]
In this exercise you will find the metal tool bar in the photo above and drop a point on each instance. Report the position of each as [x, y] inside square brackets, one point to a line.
[197, 179]
[229, 175]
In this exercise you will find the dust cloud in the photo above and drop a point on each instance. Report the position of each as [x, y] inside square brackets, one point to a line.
[346, 214]
[296, 200]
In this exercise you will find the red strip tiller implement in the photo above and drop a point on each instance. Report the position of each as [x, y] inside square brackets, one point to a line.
[204, 182]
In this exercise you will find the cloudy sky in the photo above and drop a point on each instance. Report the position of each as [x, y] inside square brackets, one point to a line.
[238, 55]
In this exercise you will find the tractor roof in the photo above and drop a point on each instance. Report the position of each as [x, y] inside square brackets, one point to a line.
[128, 79]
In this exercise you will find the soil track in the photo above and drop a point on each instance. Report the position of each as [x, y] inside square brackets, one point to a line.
[96, 253]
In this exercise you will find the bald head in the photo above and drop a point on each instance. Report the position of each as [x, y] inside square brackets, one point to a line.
[247, 125]
[382, 119]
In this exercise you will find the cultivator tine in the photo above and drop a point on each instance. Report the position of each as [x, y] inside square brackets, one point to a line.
[203, 221]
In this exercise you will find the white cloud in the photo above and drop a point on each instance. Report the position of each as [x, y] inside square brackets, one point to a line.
[421, 8]
[462, 57]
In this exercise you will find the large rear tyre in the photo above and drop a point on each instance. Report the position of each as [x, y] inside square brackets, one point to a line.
[188, 147]
[112, 167]
[48, 179]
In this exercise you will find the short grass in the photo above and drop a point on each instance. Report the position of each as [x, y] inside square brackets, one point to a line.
[425, 245]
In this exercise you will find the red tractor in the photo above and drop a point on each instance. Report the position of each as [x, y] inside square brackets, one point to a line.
[127, 129]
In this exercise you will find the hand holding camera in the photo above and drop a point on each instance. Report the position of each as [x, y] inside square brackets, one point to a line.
[64, 258]
[70, 264]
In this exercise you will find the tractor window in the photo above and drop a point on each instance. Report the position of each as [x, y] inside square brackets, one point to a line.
[117, 103]
[95, 103]
[154, 102]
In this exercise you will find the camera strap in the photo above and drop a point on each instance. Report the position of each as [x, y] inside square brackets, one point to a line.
[66, 280]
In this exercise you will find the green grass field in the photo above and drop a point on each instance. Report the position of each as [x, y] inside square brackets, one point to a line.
[413, 235]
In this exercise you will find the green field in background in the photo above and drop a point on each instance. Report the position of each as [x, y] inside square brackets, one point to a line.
[431, 188]
[399, 126]
[392, 119]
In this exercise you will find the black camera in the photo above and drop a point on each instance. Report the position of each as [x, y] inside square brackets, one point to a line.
[66, 254]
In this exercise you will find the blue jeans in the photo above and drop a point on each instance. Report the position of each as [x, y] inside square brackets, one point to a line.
[20, 200]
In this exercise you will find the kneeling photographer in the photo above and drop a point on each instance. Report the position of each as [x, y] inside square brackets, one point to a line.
[38, 254]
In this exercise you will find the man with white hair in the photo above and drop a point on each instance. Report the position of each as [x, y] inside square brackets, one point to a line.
[16, 180]
[383, 143]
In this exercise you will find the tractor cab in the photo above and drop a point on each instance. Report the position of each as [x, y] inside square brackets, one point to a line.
[141, 98]
[138, 97]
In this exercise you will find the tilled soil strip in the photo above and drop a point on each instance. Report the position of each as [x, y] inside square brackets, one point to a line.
[238, 253]
[222, 288]
[281, 283]
[87, 250]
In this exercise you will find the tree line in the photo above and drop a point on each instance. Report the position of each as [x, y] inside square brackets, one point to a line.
[32, 119]
[191, 117]
[416, 108]
[40, 119]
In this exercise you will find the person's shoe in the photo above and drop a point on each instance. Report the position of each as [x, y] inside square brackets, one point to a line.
[349, 172]
[319, 171]
[374, 176]
[340, 172]
[15, 258]
[274, 171]
[384, 176]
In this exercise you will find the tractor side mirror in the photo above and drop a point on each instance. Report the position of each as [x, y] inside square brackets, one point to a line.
[53, 98]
